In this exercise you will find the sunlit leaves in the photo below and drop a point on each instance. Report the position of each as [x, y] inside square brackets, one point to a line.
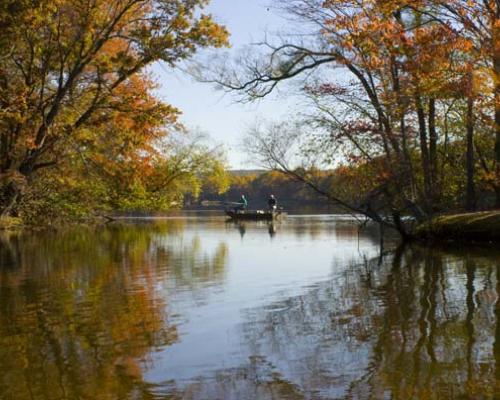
[69, 79]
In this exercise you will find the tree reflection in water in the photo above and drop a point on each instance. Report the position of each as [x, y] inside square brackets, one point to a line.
[423, 324]
[81, 310]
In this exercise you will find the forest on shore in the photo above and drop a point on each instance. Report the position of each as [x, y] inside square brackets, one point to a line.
[257, 186]
[399, 115]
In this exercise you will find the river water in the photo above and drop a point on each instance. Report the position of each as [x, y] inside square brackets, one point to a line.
[197, 308]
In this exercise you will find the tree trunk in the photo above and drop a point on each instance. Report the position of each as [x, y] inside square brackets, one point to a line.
[496, 71]
[11, 189]
[424, 149]
[433, 146]
[470, 200]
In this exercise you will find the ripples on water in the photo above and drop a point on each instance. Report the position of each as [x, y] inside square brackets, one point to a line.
[195, 308]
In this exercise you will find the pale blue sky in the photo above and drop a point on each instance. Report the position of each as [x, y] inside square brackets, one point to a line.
[212, 111]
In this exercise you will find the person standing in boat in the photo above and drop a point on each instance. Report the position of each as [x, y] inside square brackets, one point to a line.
[242, 204]
[272, 203]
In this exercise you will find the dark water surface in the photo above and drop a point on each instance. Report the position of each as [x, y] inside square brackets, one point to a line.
[195, 308]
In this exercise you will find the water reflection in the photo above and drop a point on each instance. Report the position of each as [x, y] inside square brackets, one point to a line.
[271, 229]
[413, 327]
[241, 227]
[81, 310]
[186, 309]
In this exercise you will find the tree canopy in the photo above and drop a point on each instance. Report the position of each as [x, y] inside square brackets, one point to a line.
[75, 96]
[403, 93]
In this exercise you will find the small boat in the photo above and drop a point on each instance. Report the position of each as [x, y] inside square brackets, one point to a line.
[255, 215]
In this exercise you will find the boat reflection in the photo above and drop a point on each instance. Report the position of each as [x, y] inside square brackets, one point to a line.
[271, 228]
[242, 227]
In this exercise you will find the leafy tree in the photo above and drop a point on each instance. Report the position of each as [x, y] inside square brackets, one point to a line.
[69, 79]
[405, 72]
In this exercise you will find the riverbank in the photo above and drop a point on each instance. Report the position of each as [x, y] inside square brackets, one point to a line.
[16, 223]
[467, 227]
[470, 227]
[9, 223]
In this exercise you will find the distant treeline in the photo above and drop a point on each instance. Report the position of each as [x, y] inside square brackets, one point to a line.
[257, 186]
[348, 181]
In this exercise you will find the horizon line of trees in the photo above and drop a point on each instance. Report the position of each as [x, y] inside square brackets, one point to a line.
[257, 187]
